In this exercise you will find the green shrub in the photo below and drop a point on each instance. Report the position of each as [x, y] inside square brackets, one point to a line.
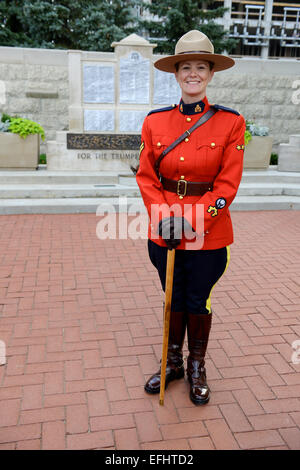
[24, 127]
[21, 126]
[254, 129]
[4, 126]
[5, 117]
[43, 159]
[248, 137]
[274, 159]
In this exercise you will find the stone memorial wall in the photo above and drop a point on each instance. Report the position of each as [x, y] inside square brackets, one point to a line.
[109, 100]
[92, 104]
[118, 92]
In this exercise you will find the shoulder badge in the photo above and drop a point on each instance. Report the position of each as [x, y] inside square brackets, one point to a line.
[168, 108]
[224, 108]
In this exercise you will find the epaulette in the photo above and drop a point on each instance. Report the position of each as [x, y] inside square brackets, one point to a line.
[223, 108]
[168, 108]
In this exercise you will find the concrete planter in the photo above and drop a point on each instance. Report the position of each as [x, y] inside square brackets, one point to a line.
[18, 153]
[258, 152]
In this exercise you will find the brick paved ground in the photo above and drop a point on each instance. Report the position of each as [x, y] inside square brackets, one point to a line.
[81, 319]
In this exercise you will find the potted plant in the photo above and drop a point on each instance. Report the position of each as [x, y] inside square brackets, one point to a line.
[258, 146]
[19, 142]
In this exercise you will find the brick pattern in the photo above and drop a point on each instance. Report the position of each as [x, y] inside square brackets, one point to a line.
[82, 322]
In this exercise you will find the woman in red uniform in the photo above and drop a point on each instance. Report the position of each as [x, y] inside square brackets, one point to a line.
[188, 199]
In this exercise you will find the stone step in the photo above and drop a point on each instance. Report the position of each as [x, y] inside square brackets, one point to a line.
[272, 175]
[57, 191]
[265, 203]
[44, 191]
[100, 206]
[44, 176]
[268, 189]
[294, 140]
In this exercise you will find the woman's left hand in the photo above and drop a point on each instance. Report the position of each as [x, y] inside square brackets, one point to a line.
[171, 229]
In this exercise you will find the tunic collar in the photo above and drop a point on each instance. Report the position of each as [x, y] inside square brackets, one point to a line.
[193, 108]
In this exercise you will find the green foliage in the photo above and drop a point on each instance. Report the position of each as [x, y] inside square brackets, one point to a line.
[24, 127]
[5, 122]
[12, 31]
[274, 159]
[4, 126]
[5, 117]
[95, 24]
[66, 24]
[248, 137]
[254, 129]
[176, 17]
[42, 159]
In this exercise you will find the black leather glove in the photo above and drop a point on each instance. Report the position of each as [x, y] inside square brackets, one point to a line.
[171, 229]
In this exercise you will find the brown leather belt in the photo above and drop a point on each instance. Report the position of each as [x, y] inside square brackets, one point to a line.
[186, 188]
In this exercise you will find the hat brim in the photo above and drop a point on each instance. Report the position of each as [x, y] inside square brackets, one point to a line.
[221, 62]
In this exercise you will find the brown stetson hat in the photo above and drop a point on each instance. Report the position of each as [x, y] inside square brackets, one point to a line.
[194, 45]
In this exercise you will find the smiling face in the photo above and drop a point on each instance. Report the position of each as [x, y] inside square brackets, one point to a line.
[193, 76]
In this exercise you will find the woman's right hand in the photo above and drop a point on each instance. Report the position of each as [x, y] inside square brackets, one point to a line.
[171, 229]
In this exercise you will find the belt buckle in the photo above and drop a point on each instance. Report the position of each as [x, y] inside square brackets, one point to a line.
[179, 193]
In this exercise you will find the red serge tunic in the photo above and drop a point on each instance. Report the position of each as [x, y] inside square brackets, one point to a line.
[212, 153]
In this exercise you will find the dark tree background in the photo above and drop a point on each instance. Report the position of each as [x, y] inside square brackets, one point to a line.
[175, 17]
[66, 24]
[95, 24]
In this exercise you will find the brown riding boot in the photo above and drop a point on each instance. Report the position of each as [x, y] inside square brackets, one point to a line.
[198, 327]
[175, 365]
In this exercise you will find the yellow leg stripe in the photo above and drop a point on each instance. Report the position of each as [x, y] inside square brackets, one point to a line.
[228, 257]
[208, 301]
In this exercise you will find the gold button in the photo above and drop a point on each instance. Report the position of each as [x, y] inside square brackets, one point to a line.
[182, 177]
[158, 144]
[212, 144]
[180, 197]
[182, 159]
[186, 140]
[188, 119]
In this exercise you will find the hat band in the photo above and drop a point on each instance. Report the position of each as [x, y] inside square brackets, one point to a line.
[195, 52]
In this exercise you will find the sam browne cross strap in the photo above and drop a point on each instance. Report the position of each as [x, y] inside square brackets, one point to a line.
[204, 118]
[182, 187]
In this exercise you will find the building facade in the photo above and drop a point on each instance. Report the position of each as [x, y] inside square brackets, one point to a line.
[264, 28]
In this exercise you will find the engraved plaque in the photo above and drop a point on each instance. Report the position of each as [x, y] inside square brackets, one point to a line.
[166, 88]
[134, 79]
[99, 120]
[131, 121]
[103, 141]
[98, 84]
